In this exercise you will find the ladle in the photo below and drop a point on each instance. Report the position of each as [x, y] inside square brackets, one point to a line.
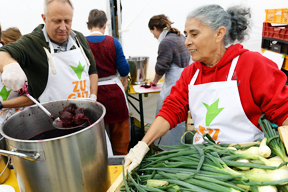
[57, 123]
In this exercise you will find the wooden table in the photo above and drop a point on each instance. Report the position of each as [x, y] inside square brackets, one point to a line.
[114, 171]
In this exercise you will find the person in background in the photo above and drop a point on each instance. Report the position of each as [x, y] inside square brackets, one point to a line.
[227, 88]
[173, 57]
[110, 59]
[10, 35]
[11, 101]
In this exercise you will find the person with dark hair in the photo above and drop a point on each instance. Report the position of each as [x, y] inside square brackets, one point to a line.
[173, 57]
[110, 59]
[227, 88]
[11, 34]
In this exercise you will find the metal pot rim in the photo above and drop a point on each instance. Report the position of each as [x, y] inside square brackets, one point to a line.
[56, 138]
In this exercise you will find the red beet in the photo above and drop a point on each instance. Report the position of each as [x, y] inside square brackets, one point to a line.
[146, 86]
[79, 118]
[70, 108]
[79, 110]
[66, 118]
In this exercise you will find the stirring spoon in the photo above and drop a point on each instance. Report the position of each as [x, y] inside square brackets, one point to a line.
[57, 123]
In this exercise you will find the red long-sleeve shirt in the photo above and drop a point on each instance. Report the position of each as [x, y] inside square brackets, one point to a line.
[261, 87]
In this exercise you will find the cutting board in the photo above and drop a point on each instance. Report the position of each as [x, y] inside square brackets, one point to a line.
[283, 132]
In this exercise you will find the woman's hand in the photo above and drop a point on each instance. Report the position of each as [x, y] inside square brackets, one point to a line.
[124, 82]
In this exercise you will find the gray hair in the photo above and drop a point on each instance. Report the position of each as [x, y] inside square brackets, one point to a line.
[236, 20]
[46, 2]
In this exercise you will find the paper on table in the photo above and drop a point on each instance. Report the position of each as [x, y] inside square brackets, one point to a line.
[278, 58]
[139, 89]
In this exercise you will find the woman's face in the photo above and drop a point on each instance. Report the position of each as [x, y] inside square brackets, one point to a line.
[156, 32]
[200, 41]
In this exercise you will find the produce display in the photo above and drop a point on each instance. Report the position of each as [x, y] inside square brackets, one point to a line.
[72, 116]
[258, 167]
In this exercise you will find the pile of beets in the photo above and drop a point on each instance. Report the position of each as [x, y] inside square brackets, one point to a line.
[72, 116]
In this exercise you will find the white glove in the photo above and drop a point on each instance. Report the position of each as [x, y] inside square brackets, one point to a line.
[13, 76]
[93, 97]
[135, 155]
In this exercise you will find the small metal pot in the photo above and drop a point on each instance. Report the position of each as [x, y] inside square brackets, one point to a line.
[138, 69]
[59, 160]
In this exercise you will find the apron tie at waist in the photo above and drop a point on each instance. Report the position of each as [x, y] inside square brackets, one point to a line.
[107, 78]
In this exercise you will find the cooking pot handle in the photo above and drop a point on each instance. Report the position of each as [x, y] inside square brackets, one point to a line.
[30, 157]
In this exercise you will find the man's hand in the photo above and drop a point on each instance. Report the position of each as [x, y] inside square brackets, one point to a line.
[135, 155]
[13, 76]
[93, 97]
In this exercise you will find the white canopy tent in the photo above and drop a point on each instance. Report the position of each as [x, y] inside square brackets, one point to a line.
[26, 14]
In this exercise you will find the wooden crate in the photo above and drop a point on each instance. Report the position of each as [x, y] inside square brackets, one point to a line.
[118, 183]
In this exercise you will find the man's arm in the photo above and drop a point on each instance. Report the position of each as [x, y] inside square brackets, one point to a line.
[93, 83]
[5, 59]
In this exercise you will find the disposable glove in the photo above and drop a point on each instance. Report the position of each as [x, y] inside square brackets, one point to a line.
[93, 97]
[135, 155]
[13, 76]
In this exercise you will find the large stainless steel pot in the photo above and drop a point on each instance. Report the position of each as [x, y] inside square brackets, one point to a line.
[74, 161]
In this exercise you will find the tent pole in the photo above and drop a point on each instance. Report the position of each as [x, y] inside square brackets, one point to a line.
[119, 21]
[108, 13]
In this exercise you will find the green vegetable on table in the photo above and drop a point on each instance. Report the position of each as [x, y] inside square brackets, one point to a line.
[210, 167]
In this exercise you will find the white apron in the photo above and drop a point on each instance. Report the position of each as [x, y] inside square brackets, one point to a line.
[68, 77]
[173, 136]
[216, 109]
[7, 94]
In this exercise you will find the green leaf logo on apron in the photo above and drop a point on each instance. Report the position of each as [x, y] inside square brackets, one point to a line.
[212, 111]
[4, 93]
[78, 70]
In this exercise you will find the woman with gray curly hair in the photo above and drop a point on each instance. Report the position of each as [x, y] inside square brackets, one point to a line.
[227, 88]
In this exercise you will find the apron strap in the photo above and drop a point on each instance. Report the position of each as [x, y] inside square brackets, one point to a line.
[50, 60]
[87, 60]
[232, 68]
[194, 77]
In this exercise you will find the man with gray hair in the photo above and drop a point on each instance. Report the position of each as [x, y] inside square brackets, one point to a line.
[56, 60]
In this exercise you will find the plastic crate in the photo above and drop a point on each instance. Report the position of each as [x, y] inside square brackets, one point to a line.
[277, 15]
[277, 32]
[275, 45]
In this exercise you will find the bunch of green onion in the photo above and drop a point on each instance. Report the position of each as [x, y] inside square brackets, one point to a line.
[210, 167]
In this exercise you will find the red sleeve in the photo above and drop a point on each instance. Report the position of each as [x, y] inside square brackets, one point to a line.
[262, 89]
[175, 106]
[272, 93]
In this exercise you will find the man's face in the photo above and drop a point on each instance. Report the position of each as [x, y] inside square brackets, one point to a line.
[58, 20]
